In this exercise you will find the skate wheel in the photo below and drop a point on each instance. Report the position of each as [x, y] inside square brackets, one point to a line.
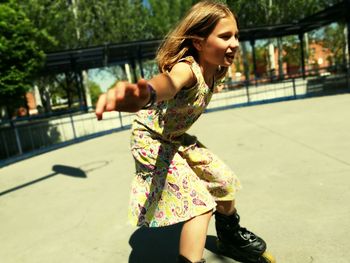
[268, 258]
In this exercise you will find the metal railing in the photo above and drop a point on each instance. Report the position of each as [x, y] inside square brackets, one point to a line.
[27, 137]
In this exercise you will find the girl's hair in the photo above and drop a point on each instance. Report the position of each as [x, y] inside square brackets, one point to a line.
[198, 23]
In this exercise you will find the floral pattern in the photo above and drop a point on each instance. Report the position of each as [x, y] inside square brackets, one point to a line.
[177, 178]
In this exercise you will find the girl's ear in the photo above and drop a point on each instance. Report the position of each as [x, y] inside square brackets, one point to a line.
[197, 43]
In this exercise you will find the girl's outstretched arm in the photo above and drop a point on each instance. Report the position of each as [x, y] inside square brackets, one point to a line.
[130, 97]
[124, 96]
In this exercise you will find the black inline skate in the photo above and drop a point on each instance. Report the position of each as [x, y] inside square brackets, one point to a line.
[182, 259]
[238, 243]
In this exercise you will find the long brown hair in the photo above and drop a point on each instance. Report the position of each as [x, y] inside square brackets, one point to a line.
[198, 23]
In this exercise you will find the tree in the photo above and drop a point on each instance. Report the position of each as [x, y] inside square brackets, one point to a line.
[108, 21]
[86, 23]
[55, 19]
[165, 14]
[21, 56]
[335, 41]
[253, 13]
[95, 91]
[292, 56]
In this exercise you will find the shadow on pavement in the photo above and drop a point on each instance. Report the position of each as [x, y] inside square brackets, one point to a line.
[57, 169]
[211, 246]
[155, 245]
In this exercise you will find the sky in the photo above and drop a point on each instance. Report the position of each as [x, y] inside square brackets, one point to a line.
[102, 77]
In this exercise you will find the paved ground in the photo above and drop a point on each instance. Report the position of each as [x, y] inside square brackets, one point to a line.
[293, 159]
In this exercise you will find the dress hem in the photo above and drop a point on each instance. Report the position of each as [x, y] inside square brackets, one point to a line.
[134, 223]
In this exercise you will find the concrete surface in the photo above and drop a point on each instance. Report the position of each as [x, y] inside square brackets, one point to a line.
[293, 158]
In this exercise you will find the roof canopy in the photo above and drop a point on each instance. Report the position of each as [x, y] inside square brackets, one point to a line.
[332, 14]
[132, 52]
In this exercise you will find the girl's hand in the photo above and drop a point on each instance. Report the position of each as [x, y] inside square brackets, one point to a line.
[124, 96]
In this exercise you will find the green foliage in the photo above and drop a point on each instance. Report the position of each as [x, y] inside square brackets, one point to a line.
[55, 20]
[107, 21]
[95, 91]
[292, 48]
[165, 14]
[335, 42]
[96, 22]
[253, 13]
[29, 26]
[20, 54]
[110, 21]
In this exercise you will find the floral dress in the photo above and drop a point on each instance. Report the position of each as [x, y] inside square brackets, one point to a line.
[177, 178]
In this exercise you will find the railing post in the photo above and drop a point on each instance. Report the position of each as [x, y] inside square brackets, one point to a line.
[18, 140]
[73, 127]
[31, 137]
[120, 119]
[294, 88]
[5, 144]
[247, 90]
[348, 75]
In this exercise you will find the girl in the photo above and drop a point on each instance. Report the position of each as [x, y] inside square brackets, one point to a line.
[177, 178]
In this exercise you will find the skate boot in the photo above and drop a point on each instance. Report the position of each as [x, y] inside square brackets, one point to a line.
[238, 243]
[182, 259]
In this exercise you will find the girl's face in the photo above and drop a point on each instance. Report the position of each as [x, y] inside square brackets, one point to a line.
[220, 47]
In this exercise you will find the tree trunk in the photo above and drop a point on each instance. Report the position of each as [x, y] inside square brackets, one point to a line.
[45, 97]
[272, 65]
[346, 46]
[280, 58]
[86, 88]
[127, 72]
[306, 37]
[37, 96]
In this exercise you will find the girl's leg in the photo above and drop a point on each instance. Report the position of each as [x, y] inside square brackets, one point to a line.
[193, 236]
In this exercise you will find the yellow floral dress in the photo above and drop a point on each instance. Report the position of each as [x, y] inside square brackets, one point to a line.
[177, 178]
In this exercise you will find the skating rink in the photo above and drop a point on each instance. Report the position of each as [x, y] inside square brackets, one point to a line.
[293, 158]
